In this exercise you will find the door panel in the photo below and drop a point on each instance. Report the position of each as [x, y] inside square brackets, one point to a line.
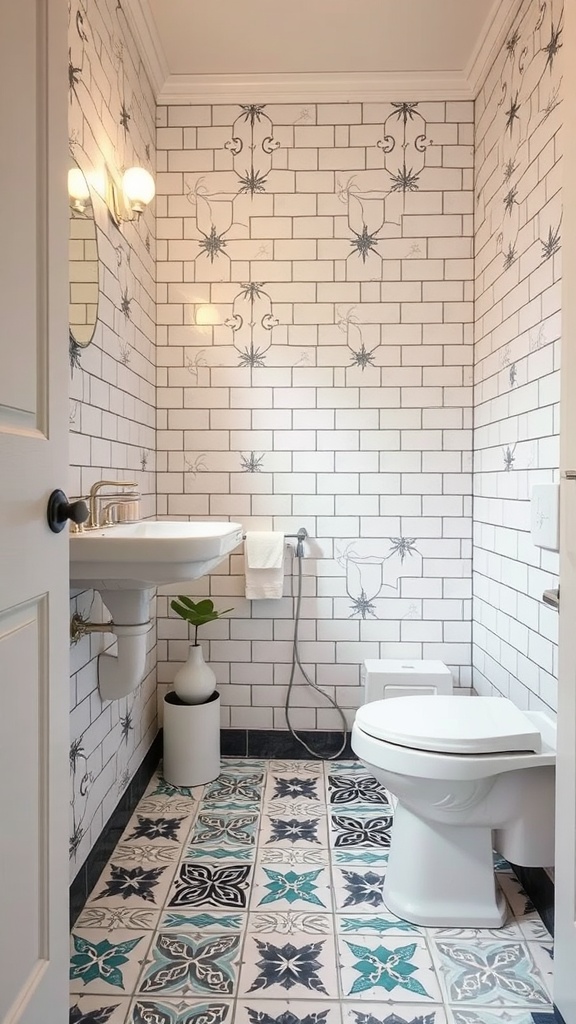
[34, 667]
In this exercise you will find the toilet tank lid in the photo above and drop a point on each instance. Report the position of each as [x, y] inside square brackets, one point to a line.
[451, 725]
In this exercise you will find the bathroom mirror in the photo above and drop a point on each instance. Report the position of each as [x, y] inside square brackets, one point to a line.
[82, 259]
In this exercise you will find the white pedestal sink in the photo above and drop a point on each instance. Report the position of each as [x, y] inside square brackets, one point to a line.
[124, 563]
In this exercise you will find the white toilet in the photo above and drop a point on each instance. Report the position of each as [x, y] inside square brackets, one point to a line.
[470, 774]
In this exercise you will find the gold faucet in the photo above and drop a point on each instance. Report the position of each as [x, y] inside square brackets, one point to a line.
[94, 518]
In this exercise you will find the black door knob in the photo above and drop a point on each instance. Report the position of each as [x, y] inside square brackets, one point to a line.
[60, 509]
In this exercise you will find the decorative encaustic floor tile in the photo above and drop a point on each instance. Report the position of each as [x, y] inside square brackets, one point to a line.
[382, 923]
[291, 855]
[478, 1015]
[191, 964]
[293, 786]
[290, 922]
[398, 1013]
[205, 886]
[358, 889]
[146, 1010]
[344, 767]
[113, 918]
[235, 791]
[132, 885]
[146, 853]
[389, 969]
[202, 921]
[159, 787]
[221, 854]
[104, 963]
[289, 830]
[253, 1010]
[356, 789]
[490, 974]
[288, 767]
[294, 807]
[224, 830]
[162, 805]
[244, 764]
[276, 965]
[157, 828]
[357, 857]
[98, 1009]
[351, 829]
[508, 932]
[283, 888]
[543, 954]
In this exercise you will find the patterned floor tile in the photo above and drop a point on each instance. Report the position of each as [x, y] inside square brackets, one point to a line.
[163, 805]
[290, 830]
[489, 974]
[294, 855]
[206, 886]
[189, 963]
[224, 829]
[285, 888]
[145, 1010]
[297, 785]
[345, 767]
[287, 767]
[113, 918]
[392, 967]
[522, 908]
[276, 965]
[234, 791]
[358, 889]
[160, 829]
[480, 1016]
[397, 1013]
[98, 1009]
[543, 954]
[159, 787]
[290, 922]
[358, 829]
[356, 856]
[252, 1010]
[101, 963]
[202, 921]
[381, 923]
[147, 853]
[348, 791]
[132, 884]
[244, 764]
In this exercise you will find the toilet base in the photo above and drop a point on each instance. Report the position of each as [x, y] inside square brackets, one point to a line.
[442, 875]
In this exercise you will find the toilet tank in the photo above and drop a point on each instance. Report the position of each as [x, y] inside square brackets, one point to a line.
[404, 678]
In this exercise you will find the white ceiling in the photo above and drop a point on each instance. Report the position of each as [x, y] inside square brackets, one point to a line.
[209, 50]
[223, 37]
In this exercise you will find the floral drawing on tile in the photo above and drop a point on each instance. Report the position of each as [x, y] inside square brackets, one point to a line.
[385, 968]
[201, 885]
[363, 888]
[356, 831]
[289, 966]
[81, 781]
[182, 964]
[349, 324]
[147, 1012]
[128, 882]
[153, 1012]
[369, 574]
[499, 973]
[101, 960]
[294, 830]
[404, 145]
[291, 886]
[252, 462]
[509, 457]
[551, 245]
[251, 145]
[252, 323]
[98, 1016]
[195, 464]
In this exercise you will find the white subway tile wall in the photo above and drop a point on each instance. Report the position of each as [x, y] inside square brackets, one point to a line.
[315, 350]
[517, 350]
[112, 392]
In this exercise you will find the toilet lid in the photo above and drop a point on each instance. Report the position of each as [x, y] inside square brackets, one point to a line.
[451, 725]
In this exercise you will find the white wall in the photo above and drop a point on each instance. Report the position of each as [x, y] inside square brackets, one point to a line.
[517, 341]
[346, 408]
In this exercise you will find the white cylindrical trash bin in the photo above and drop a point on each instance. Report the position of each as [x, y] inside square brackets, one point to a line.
[191, 741]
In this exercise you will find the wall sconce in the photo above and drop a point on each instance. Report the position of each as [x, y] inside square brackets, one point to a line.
[78, 190]
[128, 201]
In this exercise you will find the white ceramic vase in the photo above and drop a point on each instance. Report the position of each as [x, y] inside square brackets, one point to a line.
[194, 681]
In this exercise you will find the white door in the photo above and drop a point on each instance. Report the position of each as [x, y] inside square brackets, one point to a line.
[565, 873]
[33, 561]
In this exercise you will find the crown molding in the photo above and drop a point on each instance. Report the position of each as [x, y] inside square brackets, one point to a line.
[314, 88]
[143, 27]
[498, 24]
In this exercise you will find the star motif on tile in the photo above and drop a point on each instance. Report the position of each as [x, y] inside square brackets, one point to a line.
[289, 966]
[362, 606]
[128, 882]
[291, 887]
[125, 117]
[181, 964]
[385, 968]
[126, 725]
[252, 182]
[512, 113]
[198, 884]
[510, 200]
[362, 357]
[552, 48]
[213, 244]
[296, 788]
[405, 180]
[156, 828]
[294, 830]
[405, 111]
[364, 243]
[362, 831]
[486, 972]
[366, 888]
[551, 245]
[100, 960]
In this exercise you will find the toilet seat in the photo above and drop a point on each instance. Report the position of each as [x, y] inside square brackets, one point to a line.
[451, 725]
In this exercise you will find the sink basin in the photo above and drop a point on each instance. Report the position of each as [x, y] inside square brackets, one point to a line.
[136, 556]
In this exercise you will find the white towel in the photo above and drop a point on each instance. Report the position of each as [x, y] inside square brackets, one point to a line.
[264, 565]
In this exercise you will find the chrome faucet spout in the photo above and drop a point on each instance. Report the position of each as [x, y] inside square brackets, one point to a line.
[94, 518]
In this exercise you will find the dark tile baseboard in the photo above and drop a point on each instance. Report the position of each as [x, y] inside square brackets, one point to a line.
[539, 888]
[280, 743]
[100, 853]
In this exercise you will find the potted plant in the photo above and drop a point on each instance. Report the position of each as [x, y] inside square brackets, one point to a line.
[195, 681]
